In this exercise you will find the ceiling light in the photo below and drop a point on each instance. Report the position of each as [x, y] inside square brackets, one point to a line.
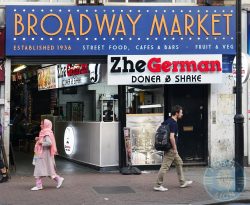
[21, 67]
[150, 106]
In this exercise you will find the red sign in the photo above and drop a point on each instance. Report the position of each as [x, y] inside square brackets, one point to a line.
[2, 43]
[156, 65]
[2, 53]
[77, 69]
[1, 72]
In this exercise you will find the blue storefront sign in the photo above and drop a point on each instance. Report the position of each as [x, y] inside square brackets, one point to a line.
[227, 63]
[111, 30]
[248, 33]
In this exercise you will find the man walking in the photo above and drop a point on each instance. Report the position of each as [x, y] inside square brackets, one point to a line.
[172, 155]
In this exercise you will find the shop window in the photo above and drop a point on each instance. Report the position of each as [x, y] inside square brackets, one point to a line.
[2, 17]
[145, 112]
[144, 99]
[74, 111]
[109, 107]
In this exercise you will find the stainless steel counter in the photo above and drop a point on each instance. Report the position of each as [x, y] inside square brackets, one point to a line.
[93, 143]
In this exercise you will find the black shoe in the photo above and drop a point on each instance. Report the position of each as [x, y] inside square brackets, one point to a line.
[4, 179]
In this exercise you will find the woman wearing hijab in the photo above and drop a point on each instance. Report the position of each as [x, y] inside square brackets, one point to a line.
[45, 150]
[3, 169]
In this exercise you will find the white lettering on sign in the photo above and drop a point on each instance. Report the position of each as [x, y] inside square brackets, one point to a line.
[72, 74]
[169, 69]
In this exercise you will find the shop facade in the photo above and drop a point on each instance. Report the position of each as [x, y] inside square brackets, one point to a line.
[183, 56]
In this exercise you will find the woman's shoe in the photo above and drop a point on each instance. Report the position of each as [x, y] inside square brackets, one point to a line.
[35, 188]
[59, 183]
[4, 179]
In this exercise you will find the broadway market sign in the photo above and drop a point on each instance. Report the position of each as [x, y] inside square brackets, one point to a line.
[111, 30]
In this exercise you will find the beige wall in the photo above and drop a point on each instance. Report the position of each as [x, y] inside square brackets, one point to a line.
[221, 121]
[245, 2]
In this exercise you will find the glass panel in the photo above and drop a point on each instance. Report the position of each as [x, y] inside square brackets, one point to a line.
[2, 17]
[109, 108]
[144, 99]
[145, 112]
[74, 111]
[142, 138]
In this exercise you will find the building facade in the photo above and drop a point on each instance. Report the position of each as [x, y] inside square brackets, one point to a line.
[148, 63]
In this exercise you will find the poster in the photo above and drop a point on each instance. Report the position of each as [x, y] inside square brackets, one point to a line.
[142, 132]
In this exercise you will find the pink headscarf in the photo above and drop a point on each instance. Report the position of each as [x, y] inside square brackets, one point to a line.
[46, 130]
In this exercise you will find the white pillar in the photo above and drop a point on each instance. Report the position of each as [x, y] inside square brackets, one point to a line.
[246, 91]
[221, 122]
[6, 114]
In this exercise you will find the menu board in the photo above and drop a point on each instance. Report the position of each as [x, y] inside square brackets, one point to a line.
[46, 78]
[142, 131]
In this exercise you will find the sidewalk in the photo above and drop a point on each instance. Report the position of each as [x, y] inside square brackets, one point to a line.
[89, 187]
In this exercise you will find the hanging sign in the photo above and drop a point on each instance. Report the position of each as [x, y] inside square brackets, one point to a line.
[2, 43]
[72, 75]
[2, 72]
[67, 75]
[164, 69]
[123, 30]
[245, 67]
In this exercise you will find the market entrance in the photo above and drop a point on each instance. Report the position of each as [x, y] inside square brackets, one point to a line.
[26, 106]
[75, 99]
[193, 128]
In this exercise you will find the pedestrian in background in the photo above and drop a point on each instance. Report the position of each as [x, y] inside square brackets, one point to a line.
[4, 173]
[3, 169]
[44, 161]
[172, 155]
[108, 113]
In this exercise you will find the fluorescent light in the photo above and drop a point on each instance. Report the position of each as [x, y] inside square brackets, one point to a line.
[150, 106]
[21, 67]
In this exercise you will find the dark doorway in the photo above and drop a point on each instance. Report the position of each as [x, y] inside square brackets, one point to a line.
[192, 140]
